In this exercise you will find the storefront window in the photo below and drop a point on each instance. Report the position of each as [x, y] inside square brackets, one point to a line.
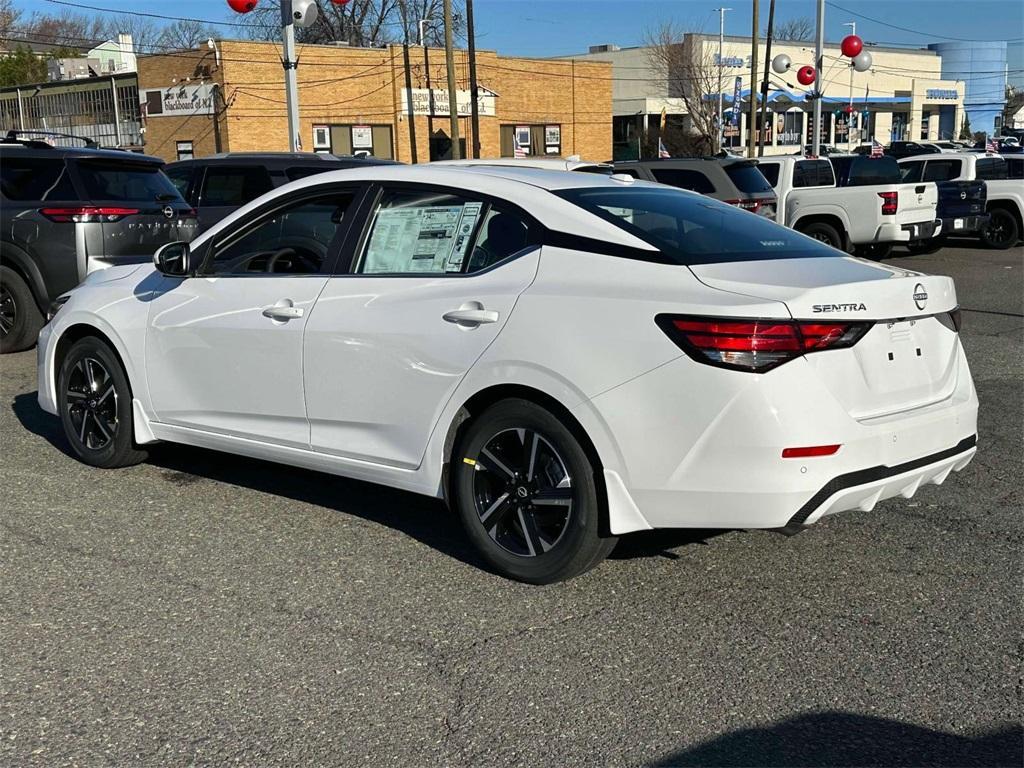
[790, 127]
[925, 119]
[532, 140]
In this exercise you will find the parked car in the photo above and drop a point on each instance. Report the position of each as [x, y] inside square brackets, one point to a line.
[851, 202]
[962, 203]
[942, 146]
[823, 151]
[1004, 195]
[573, 163]
[219, 184]
[563, 357]
[68, 211]
[900, 149]
[733, 180]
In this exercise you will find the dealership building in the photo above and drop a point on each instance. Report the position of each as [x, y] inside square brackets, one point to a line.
[904, 96]
[229, 97]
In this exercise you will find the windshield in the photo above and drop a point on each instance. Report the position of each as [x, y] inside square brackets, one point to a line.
[691, 229]
[126, 182]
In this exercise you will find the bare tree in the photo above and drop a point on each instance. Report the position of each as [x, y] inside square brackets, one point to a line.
[10, 16]
[692, 75]
[144, 31]
[184, 34]
[66, 29]
[799, 28]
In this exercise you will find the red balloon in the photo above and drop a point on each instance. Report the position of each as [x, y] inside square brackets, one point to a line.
[848, 109]
[806, 75]
[851, 46]
[242, 6]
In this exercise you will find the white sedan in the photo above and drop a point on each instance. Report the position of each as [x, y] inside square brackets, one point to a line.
[563, 357]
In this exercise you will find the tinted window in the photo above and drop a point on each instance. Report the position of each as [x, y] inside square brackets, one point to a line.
[911, 172]
[689, 230]
[293, 240]
[425, 232]
[303, 171]
[235, 185]
[863, 171]
[28, 179]
[683, 178]
[125, 181]
[991, 168]
[180, 178]
[942, 170]
[748, 178]
[770, 171]
[1015, 168]
[604, 170]
[813, 173]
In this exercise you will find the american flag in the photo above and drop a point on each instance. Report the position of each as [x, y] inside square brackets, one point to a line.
[519, 151]
[662, 152]
[990, 146]
[876, 149]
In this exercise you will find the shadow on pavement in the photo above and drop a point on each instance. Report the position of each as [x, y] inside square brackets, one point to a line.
[423, 518]
[846, 739]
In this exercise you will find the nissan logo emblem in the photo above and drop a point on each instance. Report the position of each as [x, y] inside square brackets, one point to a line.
[168, 212]
[920, 296]
[963, 195]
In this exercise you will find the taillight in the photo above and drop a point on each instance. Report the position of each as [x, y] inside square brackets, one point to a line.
[890, 203]
[746, 205]
[87, 213]
[756, 345]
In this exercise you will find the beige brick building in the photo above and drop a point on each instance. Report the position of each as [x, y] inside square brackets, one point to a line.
[355, 99]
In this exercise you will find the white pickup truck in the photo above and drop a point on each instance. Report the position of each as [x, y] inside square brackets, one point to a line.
[1004, 193]
[851, 202]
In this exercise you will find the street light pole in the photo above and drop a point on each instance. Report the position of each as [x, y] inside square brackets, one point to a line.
[721, 43]
[291, 83]
[819, 54]
[849, 115]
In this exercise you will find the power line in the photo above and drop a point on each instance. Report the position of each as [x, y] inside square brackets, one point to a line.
[915, 31]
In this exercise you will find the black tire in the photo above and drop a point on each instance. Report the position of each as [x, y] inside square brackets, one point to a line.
[931, 245]
[95, 403]
[824, 233]
[874, 250]
[519, 468]
[1002, 231]
[20, 318]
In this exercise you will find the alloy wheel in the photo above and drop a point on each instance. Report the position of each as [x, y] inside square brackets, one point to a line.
[523, 492]
[8, 311]
[92, 403]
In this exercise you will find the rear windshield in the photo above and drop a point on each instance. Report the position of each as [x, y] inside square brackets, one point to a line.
[864, 171]
[695, 230]
[34, 179]
[126, 181]
[748, 178]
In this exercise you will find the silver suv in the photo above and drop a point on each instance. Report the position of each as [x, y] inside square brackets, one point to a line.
[65, 212]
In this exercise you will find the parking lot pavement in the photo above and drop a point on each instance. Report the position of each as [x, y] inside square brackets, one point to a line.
[203, 608]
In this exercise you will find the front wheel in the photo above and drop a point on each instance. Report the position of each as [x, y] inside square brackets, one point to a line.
[527, 496]
[1002, 231]
[95, 403]
[20, 318]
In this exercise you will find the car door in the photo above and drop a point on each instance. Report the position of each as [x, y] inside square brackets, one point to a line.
[224, 347]
[431, 282]
[225, 188]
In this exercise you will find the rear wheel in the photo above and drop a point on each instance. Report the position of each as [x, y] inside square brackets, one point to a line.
[95, 405]
[527, 496]
[824, 233]
[20, 318]
[1002, 231]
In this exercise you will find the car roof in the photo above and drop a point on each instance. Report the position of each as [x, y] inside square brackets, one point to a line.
[946, 156]
[37, 149]
[548, 163]
[282, 158]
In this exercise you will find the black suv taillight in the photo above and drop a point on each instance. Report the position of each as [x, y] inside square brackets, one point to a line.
[83, 214]
[756, 345]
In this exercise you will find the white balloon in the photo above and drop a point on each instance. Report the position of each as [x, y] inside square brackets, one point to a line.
[304, 12]
[862, 61]
[781, 64]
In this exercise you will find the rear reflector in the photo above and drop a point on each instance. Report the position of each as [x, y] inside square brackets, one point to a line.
[813, 450]
[890, 203]
[756, 345]
[87, 213]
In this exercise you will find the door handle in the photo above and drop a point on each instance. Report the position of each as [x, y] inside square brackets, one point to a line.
[283, 311]
[471, 318]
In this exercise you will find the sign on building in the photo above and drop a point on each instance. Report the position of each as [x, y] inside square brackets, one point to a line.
[180, 101]
[434, 102]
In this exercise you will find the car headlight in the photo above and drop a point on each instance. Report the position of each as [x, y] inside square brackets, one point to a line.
[55, 307]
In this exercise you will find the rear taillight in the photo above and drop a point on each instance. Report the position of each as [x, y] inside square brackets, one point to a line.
[756, 345]
[890, 203]
[746, 205]
[83, 214]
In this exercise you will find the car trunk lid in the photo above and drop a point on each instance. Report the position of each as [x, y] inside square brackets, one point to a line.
[961, 198]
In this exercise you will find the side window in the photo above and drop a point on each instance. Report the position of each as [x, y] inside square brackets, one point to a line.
[770, 172]
[941, 170]
[911, 172]
[234, 185]
[991, 169]
[812, 173]
[683, 178]
[295, 239]
[35, 179]
[417, 232]
[181, 178]
[1015, 168]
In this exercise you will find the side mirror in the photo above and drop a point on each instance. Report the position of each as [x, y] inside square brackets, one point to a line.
[174, 259]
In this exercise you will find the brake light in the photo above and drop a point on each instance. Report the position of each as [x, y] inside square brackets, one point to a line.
[756, 345]
[810, 451]
[746, 205]
[86, 213]
[890, 203]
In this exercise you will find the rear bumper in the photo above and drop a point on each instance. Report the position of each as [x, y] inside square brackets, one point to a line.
[893, 232]
[968, 225]
[921, 230]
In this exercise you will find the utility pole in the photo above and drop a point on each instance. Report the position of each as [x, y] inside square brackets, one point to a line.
[474, 95]
[430, 90]
[453, 95]
[411, 111]
[721, 44]
[291, 84]
[764, 83]
[849, 115]
[752, 115]
[819, 46]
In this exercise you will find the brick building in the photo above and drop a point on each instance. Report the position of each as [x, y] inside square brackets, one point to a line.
[356, 99]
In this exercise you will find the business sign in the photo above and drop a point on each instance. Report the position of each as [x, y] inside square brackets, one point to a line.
[362, 137]
[732, 61]
[734, 118]
[434, 102]
[942, 93]
[182, 100]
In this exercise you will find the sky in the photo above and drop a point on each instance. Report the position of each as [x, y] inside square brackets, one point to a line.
[558, 27]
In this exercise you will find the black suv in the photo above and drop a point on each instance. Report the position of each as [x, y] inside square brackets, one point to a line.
[900, 149]
[733, 180]
[67, 211]
[219, 184]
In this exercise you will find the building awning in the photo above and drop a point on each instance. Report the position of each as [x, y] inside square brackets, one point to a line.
[783, 95]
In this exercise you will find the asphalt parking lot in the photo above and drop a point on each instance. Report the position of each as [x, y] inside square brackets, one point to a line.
[204, 608]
